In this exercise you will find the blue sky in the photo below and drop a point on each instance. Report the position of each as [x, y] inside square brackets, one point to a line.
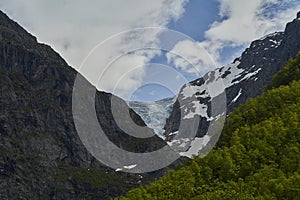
[194, 22]
[90, 35]
[197, 18]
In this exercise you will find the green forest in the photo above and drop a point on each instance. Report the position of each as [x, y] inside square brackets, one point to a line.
[257, 156]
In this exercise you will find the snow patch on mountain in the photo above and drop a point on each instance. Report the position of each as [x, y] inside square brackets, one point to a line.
[196, 109]
[237, 96]
[195, 97]
[196, 146]
[126, 167]
[270, 35]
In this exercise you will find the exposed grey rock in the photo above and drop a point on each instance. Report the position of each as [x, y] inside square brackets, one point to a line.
[41, 155]
[245, 78]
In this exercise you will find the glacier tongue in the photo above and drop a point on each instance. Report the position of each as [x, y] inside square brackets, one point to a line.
[154, 113]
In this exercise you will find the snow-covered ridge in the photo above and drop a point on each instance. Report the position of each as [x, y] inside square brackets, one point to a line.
[196, 96]
[245, 78]
[215, 83]
[267, 42]
[270, 35]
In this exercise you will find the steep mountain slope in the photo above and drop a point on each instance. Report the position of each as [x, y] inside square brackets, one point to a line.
[246, 77]
[41, 155]
[259, 157]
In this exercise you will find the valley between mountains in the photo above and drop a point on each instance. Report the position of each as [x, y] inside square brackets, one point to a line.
[257, 156]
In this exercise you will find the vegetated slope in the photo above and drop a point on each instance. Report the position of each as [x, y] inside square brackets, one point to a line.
[258, 156]
[290, 72]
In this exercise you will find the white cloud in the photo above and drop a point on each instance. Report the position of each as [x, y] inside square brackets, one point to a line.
[191, 57]
[242, 22]
[247, 20]
[74, 27]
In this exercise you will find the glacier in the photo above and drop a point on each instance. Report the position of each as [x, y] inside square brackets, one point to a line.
[154, 113]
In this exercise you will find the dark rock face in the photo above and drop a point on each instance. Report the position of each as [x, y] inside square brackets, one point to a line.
[245, 78]
[41, 155]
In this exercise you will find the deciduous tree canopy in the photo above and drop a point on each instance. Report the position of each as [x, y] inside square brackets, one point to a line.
[257, 157]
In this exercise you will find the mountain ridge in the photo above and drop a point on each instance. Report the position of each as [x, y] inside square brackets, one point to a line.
[259, 156]
[41, 154]
[245, 78]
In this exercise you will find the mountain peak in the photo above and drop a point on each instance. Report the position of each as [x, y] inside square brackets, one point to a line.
[41, 154]
[245, 78]
[12, 33]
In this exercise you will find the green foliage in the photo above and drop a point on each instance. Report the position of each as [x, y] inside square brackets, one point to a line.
[94, 179]
[289, 73]
[258, 156]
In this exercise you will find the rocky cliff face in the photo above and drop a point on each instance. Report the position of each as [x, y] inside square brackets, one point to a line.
[41, 155]
[245, 78]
